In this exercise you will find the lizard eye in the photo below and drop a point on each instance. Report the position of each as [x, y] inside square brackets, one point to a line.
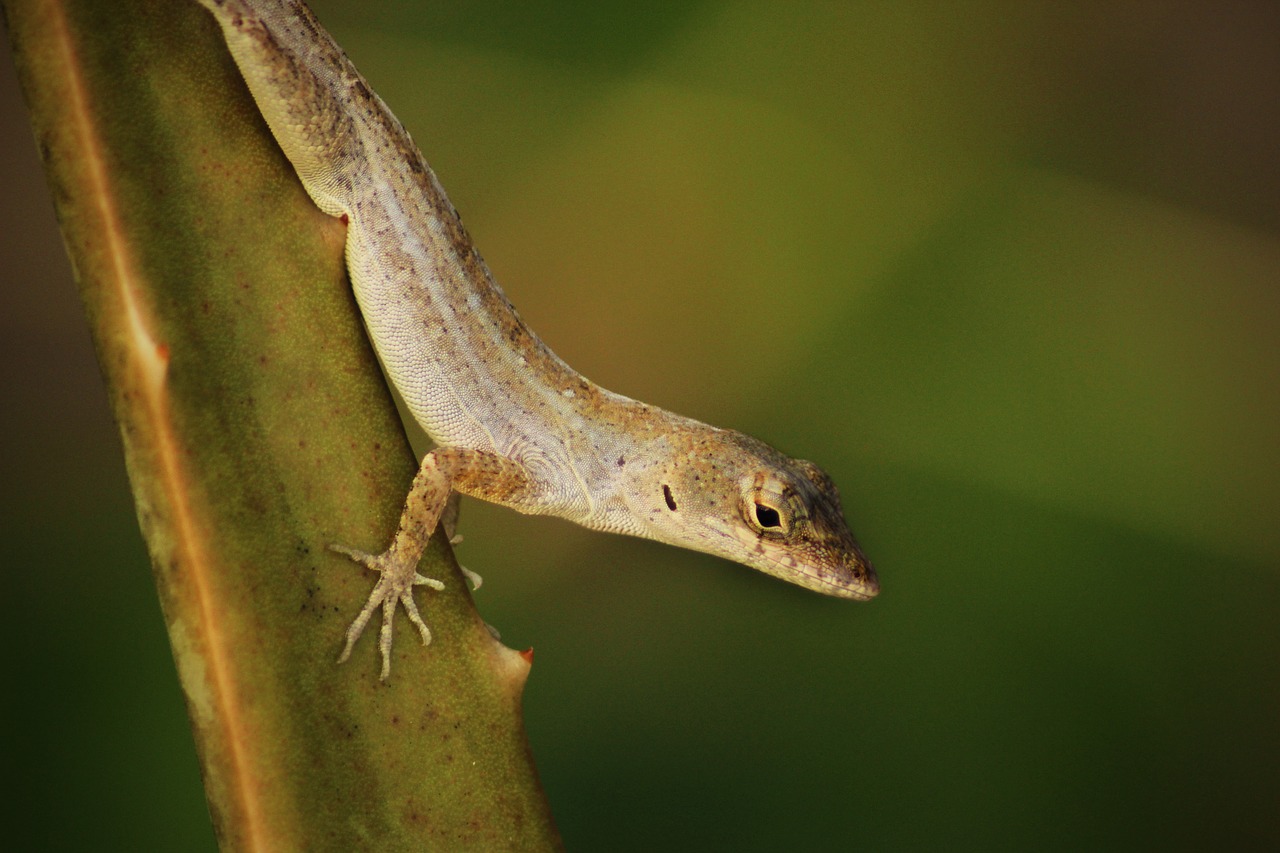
[767, 516]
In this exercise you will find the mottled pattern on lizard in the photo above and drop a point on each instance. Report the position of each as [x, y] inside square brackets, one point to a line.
[514, 424]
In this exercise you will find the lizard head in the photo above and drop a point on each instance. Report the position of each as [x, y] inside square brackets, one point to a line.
[731, 495]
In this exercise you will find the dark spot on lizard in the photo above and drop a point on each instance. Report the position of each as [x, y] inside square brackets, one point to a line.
[671, 502]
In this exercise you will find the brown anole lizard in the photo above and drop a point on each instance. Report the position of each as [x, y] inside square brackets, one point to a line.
[513, 424]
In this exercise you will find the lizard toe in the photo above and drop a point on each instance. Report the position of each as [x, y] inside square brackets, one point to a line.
[395, 587]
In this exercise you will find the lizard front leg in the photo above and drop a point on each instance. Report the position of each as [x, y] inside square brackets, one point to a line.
[476, 472]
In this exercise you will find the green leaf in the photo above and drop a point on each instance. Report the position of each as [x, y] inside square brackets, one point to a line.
[258, 430]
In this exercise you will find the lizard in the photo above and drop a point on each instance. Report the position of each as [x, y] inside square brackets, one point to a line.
[512, 423]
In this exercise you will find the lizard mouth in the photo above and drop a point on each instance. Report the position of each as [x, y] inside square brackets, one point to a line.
[857, 582]
[839, 570]
[845, 573]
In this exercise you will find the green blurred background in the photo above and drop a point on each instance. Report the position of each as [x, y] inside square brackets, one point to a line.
[1008, 270]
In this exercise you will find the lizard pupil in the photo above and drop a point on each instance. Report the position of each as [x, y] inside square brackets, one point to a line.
[767, 516]
[671, 502]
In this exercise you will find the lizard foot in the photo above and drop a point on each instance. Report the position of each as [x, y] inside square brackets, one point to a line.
[399, 577]
[475, 579]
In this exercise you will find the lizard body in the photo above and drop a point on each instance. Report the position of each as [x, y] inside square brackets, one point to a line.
[513, 423]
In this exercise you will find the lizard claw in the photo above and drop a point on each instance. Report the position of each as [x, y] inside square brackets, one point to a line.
[399, 577]
[475, 579]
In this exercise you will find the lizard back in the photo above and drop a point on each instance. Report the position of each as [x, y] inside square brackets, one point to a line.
[470, 370]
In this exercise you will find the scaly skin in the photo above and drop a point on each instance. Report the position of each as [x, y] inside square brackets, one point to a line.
[514, 424]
